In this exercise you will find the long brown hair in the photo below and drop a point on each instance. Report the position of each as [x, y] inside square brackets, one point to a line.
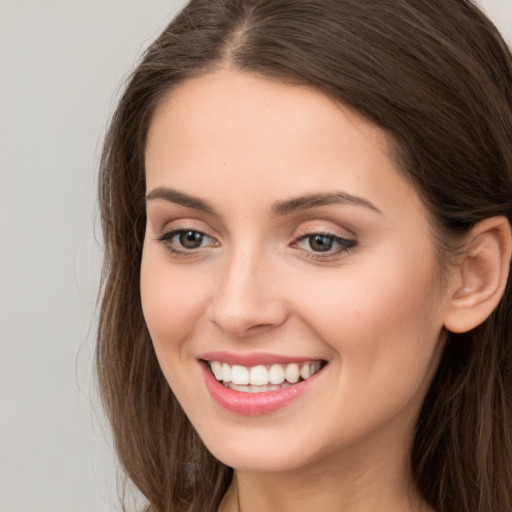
[437, 77]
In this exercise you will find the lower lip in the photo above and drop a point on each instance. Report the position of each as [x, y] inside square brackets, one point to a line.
[254, 404]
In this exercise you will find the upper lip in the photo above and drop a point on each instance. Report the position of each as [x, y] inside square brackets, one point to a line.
[254, 359]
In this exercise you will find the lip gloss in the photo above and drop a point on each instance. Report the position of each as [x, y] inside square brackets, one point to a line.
[254, 404]
[253, 359]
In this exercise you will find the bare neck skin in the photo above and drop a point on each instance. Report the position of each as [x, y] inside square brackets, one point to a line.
[357, 482]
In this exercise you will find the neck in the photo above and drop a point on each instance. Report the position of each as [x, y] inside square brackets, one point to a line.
[365, 483]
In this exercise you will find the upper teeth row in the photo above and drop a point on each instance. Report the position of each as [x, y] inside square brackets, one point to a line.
[263, 375]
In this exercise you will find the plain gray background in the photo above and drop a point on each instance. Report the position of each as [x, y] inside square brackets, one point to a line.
[62, 63]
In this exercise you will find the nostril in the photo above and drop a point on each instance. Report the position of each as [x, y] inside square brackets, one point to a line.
[259, 327]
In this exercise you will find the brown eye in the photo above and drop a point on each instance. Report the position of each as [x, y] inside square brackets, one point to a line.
[321, 243]
[324, 244]
[190, 239]
[184, 242]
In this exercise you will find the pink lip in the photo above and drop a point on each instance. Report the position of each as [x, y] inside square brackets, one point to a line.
[254, 359]
[254, 404]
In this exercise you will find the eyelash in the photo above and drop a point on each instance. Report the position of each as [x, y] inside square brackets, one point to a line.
[345, 244]
[166, 239]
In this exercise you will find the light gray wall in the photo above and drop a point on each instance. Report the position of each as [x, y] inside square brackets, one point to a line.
[61, 63]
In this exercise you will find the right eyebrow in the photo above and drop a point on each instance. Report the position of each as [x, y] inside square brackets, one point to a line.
[173, 196]
[310, 201]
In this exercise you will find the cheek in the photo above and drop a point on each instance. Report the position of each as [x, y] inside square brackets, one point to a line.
[173, 300]
[378, 319]
[383, 336]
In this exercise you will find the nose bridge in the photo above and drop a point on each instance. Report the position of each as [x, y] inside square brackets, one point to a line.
[245, 296]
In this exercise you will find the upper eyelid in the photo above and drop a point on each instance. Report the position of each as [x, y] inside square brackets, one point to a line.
[304, 232]
[346, 242]
[329, 255]
[299, 233]
[170, 233]
[326, 234]
[178, 226]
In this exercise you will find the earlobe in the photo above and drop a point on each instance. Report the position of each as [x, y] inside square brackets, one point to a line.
[481, 275]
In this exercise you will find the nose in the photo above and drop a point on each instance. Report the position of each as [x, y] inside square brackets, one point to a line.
[248, 298]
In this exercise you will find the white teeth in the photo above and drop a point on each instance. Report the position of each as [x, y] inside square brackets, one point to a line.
[217, 370]
[262, 378]
[292, 373]
[226, 372]
[305, 372]
[258, 376]
[276, 374]
[239, 375]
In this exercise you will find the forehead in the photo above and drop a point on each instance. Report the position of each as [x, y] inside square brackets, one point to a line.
[234, 131]
[227, 97]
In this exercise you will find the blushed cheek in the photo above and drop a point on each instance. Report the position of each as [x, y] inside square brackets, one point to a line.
[164, 314]
[172, 302]
[384, 347]
[374, 312]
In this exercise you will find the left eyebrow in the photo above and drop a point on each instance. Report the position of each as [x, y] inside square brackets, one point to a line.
[174, 196]
[309, 201]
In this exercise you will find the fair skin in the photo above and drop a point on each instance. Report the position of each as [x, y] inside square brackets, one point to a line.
[232, 266]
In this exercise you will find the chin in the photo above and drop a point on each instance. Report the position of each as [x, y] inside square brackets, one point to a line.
[257, 460]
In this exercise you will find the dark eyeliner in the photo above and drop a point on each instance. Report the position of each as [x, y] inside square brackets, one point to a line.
[345, 245]
[166, 237]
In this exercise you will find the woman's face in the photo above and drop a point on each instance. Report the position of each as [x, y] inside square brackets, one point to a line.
[282, 243]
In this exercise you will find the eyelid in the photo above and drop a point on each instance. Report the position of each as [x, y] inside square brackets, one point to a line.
[324, 227]
[340, 239]
[166, 235]
[345, 244]
[185, 224]
[342, 243]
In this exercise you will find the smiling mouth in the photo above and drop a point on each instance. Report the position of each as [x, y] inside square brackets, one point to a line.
[263, 378]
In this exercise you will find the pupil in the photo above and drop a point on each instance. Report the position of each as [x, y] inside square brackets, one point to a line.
[320, 243]
[191, 239]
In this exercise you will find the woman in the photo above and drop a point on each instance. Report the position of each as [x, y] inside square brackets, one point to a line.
[306, 208]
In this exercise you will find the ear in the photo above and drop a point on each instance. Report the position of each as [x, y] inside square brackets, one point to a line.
[481, 274]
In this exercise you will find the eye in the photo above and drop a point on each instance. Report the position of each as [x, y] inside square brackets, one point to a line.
[324, 243]
[183, 241]
[190, 239]
[320, 243]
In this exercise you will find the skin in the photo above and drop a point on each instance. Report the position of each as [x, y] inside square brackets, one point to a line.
[373, 312]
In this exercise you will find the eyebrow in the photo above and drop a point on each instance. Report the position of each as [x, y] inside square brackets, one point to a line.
[279, 208]
[173, 196]
[309, 201]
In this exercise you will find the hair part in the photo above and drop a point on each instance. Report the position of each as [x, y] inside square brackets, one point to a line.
[437, 77]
